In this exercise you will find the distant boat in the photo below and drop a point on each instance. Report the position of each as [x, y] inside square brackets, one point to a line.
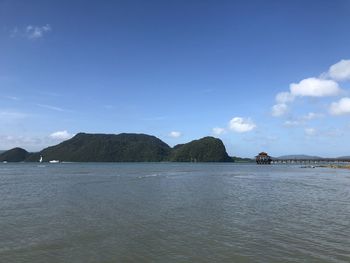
[41, 159]
[4, 162]
[54, 161]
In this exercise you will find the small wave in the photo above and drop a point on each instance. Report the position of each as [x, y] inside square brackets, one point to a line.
[236, 175]
[6, 169]
[82, 172]
[148, 175]
[93, 182]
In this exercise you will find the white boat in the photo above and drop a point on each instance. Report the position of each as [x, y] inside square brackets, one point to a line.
[4, 162]
[54, 161]
[41, 159]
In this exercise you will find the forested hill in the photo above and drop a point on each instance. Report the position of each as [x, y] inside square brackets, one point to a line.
[124, 147]
[14, 155]
[207, 149]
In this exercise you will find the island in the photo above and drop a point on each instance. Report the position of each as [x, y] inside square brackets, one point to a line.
[124, 147]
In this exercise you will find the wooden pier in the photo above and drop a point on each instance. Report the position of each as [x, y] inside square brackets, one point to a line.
[309, 161]
[264, 158]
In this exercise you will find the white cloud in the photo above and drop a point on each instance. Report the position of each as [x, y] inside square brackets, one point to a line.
[279, 109]
[30, 31]
[310, 131]
[291, 123]
[340, 107]
[340, 71]
[239, 124]
[50, 107]
[11, 141]
[219, 131]
[12, 115]
[175, 134]
[311, 116]
[302, 120]
[284, 97]
[315, 87]
[324, 86]
[29, 142]
[60, 135]
[312, 87]
[35, 32]
[11, 98]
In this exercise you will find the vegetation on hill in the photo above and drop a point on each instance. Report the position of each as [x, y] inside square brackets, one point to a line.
[125, 147]
[14, 155]
[207, 149]
[108, 148]
[242, 160]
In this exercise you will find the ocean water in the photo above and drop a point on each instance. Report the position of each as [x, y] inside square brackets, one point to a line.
[166, 212]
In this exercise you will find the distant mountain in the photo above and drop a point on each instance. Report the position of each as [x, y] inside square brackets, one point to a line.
[343, 158]
[299, 156]
[14, 155]
[124, 147]
[207, 149]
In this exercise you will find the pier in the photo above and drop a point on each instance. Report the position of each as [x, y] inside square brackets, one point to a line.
[309, 161]
[264, 158]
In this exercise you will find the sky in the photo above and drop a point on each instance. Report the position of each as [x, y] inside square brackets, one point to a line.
[260, 75]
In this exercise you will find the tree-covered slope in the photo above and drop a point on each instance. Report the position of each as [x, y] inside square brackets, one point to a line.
[107, 148]
[207, 149]
[125, 147]
[14, 155]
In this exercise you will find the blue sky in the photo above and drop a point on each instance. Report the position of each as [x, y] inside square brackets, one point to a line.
[260, 75]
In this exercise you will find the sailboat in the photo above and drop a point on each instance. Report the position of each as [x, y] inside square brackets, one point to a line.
[41, 159]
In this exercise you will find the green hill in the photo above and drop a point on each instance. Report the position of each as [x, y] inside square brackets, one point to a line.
[107, 148]
[207, 149]
[14, 155]
[125, 147]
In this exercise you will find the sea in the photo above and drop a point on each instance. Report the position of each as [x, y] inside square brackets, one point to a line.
[173, 212]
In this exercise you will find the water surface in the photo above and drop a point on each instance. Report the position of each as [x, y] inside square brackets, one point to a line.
[167, 212]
